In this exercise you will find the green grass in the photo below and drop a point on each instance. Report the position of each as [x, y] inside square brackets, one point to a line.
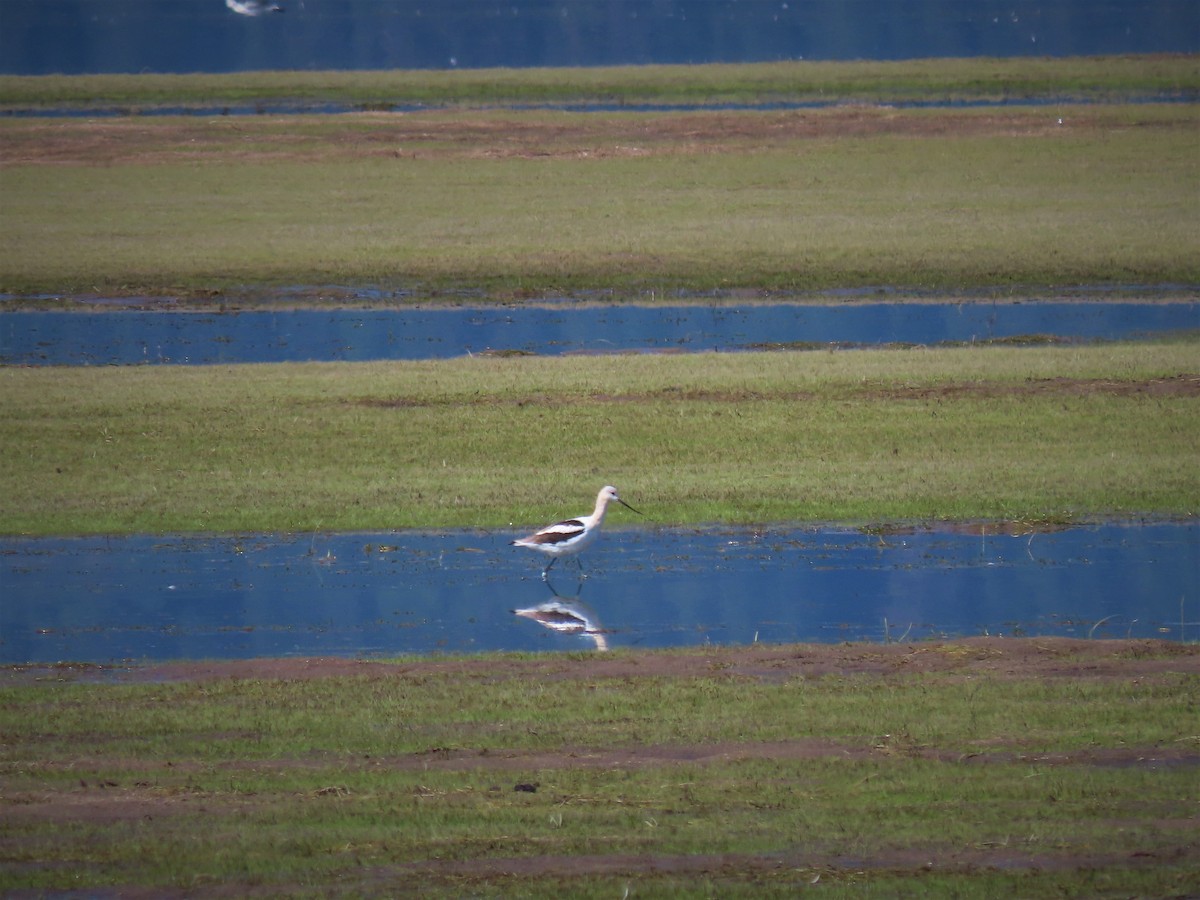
[1108, 201]
[960, 433]
[515, 203]
[1103, 77]
[270, 719]
[404, 781]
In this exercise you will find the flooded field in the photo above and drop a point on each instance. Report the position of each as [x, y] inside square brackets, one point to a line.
[144, 598]
[133, 337]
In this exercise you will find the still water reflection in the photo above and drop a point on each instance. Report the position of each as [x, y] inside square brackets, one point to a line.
[99, 599]
[136, 337]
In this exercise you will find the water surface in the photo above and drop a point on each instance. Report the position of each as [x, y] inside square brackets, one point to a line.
[144, 598]
[132, 337]
[41, 37]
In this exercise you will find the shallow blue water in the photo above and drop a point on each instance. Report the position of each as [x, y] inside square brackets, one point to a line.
[297, 108]
[144, 598]
[132, 337]
[42, 37]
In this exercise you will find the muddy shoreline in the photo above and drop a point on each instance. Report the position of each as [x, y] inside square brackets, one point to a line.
[974, 657]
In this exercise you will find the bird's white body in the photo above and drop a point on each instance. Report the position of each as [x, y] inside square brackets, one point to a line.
[571, 536]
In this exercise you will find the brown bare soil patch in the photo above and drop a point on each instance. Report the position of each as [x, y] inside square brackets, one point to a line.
[482, 134]
[806, 869]
[1182, 385]
[996, 657]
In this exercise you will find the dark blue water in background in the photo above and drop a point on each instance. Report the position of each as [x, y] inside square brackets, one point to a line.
[145, 598]
[356, 335]
[40, 37]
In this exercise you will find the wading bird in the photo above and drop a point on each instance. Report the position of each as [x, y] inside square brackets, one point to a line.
[571, 536]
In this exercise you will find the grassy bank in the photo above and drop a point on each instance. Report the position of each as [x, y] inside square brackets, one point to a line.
[937, 79]
[516, 204]
[855, 435]
[984, 768]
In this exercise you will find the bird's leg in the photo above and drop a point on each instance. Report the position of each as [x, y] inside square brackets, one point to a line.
[546, 571]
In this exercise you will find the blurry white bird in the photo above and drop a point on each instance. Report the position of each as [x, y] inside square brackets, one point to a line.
[571, 536]
[253, 7]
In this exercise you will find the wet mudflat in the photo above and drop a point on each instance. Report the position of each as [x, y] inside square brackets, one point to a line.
[151, 598]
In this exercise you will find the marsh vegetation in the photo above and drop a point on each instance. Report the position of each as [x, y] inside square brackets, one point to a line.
[871, 435]
[1039, 768]
[521, 202]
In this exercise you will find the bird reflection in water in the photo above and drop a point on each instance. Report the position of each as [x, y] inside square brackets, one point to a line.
[567, 615]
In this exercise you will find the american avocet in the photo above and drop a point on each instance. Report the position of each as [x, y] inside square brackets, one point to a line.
[571, 536]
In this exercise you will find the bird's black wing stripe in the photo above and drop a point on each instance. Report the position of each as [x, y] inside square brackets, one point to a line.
[556, 534]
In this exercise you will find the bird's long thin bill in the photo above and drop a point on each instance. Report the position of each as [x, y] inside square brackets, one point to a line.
[628, 507]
